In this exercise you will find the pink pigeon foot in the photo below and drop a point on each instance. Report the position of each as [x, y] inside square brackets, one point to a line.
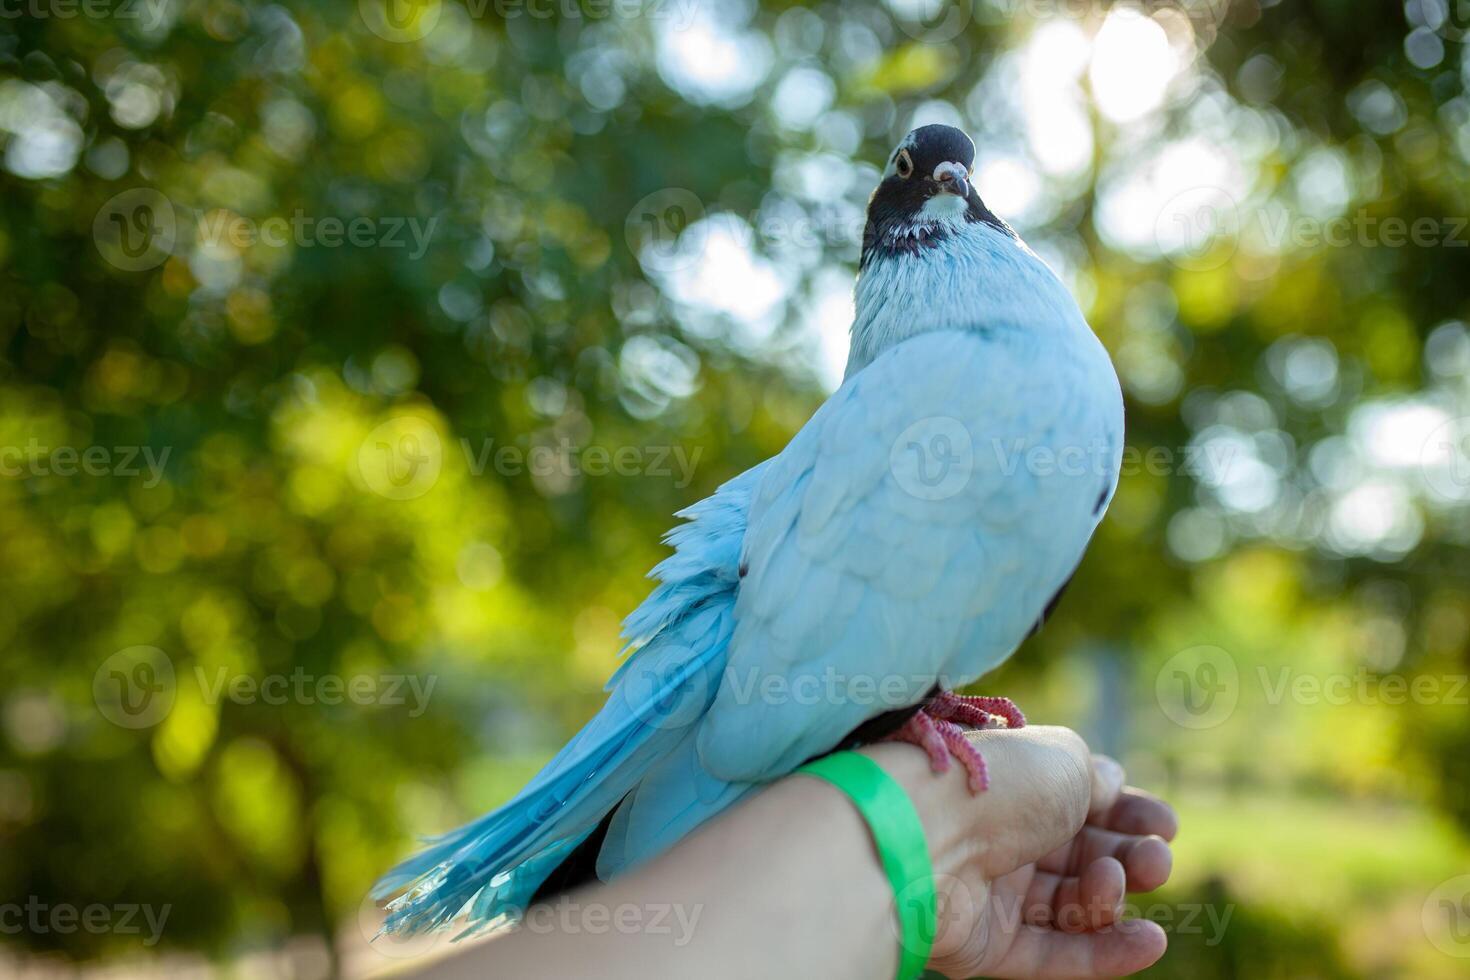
[938, 728]
[976, 711]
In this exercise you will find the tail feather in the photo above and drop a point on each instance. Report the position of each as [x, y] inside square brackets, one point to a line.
[679, 638]
[493, 865]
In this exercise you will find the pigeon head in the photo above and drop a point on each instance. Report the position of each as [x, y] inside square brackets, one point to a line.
[925, 195]
[936, 258]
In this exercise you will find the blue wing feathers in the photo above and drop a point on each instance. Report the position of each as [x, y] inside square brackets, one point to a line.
[676, 796]
[681, 634]
[704, 565]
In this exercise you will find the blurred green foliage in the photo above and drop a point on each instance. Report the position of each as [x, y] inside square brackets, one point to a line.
[313, 450]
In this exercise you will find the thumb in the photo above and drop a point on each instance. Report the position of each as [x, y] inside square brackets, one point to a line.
[1040, 791]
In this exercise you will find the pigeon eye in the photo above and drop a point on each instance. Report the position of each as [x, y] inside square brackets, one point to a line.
[904, 164]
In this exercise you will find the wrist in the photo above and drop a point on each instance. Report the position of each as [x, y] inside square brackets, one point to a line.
[854, 900]
[955, 832]
[943, 801]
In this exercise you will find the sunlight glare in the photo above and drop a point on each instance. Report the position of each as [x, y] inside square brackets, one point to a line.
[1132, 65]
[1058, 131]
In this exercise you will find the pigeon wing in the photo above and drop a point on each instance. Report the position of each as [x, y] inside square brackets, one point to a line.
[911, 533]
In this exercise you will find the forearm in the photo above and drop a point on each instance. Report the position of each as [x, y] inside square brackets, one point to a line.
[742, 897]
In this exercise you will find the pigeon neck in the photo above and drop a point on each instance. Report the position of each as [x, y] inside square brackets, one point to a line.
[978, 278]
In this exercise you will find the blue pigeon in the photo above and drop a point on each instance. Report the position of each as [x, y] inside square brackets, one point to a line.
[903, 544]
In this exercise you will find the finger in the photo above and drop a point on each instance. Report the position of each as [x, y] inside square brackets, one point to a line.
[1138, 812]
[1148, 864]
[1135, 814]
[1147, 861]
[1039, 953]
[1082, 903]
[1107, 785]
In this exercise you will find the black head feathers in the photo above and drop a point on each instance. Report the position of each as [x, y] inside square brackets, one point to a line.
[926, 194]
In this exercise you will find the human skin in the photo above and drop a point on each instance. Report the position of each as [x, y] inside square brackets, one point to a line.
[1030, 877]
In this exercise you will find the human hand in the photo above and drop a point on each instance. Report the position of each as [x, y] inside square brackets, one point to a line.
[1031, 875]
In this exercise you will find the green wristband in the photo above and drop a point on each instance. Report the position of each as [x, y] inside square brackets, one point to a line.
[902, 848]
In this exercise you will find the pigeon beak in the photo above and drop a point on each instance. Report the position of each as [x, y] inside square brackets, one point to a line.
[953, 179]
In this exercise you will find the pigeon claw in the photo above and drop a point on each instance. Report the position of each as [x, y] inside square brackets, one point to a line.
[938, 727]
[986, 711]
